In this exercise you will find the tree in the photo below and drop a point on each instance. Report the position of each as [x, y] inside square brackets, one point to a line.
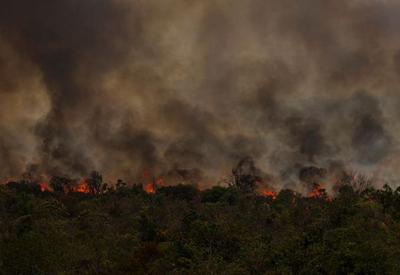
[245, 175]
[60, 184]
[95, 182]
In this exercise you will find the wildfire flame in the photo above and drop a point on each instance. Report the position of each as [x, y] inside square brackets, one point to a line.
[82, 187]
[152, 183]
[150, 188]
[318, 191]
[45, 187]
[268, 193]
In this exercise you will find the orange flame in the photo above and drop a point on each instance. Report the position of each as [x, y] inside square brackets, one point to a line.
[318, 191]
[268, 193]
[82, 187]
[45, 187]
[152, 183]
[150, 188]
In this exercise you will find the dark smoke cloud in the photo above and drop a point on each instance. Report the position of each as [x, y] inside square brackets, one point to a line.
[188, 88]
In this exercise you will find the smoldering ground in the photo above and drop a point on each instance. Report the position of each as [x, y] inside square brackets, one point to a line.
[123, 86]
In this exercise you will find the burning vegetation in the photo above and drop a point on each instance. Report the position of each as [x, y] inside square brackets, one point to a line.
[245, 177]
[268, 193]
[156, 228]
[169, 96]
[82, 187]
[151, 183]
[45, 187]
[317, 192]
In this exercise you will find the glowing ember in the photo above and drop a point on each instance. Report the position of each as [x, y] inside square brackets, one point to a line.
[150, 188]
[82, 187]
[317, 192]
[268, 193]
[152, 183]
[45, 187]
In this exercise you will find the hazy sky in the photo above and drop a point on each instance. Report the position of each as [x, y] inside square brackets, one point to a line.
[192, 86]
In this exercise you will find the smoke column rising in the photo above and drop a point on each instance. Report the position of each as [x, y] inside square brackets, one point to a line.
[124, 86]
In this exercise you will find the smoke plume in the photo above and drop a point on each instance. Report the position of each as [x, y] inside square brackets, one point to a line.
[191, 87]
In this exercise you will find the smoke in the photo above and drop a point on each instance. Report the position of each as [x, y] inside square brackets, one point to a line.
[191, 87]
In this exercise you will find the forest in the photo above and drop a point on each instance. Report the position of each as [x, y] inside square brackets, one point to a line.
[122, 229]
[162, 98]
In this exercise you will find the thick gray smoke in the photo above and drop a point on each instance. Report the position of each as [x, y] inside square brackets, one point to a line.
[187, 88]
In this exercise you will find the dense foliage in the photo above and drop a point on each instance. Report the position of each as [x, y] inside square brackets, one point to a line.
[181, 230]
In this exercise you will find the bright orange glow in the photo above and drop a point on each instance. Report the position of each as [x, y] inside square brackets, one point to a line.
[44, 186]
[82, 187]
[150, 188]
[317, 192]
[268, 193]
[152, 183]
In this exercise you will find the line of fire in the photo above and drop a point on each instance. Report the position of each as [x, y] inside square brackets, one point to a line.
[316, 182]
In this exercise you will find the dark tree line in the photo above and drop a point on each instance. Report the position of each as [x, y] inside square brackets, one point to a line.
[181, 230]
